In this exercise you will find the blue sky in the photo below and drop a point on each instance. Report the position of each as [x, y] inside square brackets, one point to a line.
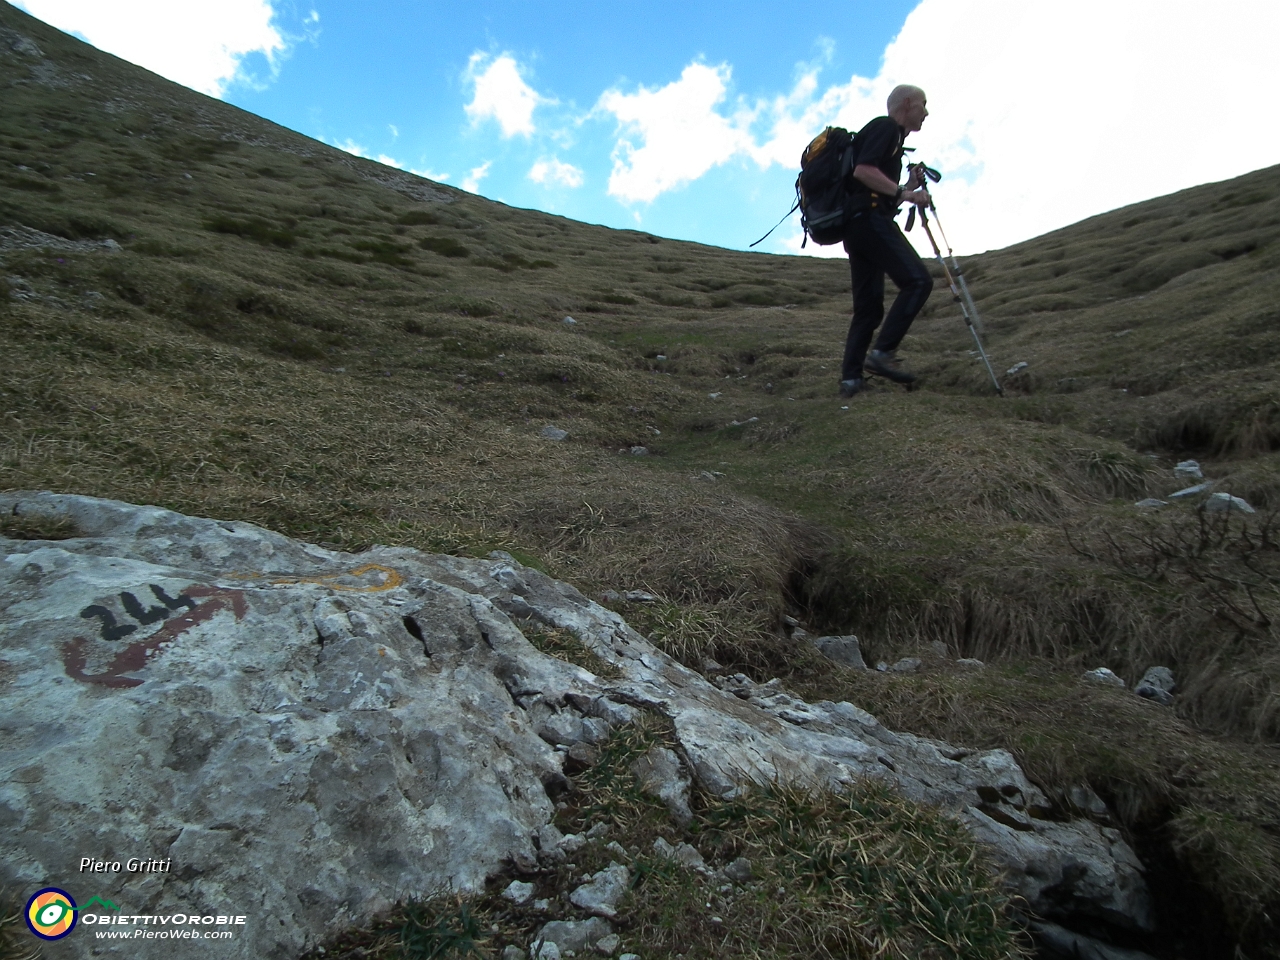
[687, 119]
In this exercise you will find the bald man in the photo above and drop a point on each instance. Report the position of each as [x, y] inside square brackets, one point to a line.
[877, 247]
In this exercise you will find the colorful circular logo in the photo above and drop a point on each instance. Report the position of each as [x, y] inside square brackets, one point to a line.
[51, 913]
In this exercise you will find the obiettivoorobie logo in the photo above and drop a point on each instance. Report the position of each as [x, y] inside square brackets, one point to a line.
[51, 913]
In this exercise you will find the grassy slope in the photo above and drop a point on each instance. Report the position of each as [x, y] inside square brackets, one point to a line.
[351, 354]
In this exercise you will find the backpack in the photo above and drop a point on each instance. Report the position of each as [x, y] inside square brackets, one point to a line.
[822, 189]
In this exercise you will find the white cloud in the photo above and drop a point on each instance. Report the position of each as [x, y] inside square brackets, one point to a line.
[501, 94]
[395, 131]
[472, 182]
[1043, 114]
[199, 44]
[554, 171]
[682, 134]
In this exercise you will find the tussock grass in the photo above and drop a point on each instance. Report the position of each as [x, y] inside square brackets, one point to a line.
[858, 874]
[285, 338]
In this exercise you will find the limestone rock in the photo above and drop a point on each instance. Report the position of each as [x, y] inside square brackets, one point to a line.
[661, 775]
[843, 650]
[309, 735]
[1186, 492]
[1104, 676]
[1157, 684]
[603, 892]
[739, 871]
[1224, 502]
[554, 433]
[518, 891]
[576, 935]
[1188, 470]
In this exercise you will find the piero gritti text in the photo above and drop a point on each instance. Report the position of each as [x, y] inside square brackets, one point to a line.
[132, 865]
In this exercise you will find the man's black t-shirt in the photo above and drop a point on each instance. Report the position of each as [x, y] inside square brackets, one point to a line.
[880, 145]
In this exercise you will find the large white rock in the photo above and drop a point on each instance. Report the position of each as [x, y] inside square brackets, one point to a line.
[303, 736]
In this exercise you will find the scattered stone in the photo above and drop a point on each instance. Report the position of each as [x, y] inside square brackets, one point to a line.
[1151, 503]
[601, 894]
[843, 650]
[881, 666]
[1017, 368]
[518, 891]
[1157, 684]
[1189, 470]
[661, 775]
[639, 451]
[607, 946]
[906, 665]
[641, 596]
[687, 854]
[1223, 502]
[577, 936]
[707, 475]
[630, 956]
[714, 396]
[554, 433]
[799, 633]
[545, 950]
[661, 356]
[743, 423]
[1192, 491]
[617, 849]
[512, 952]
[542, 906]
[1104, 676]
[599, 831]
[611, 596]
[969, 663]
[739, 871]
[570, 321]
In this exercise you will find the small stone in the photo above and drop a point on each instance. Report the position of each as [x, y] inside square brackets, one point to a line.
[661, 775]
[542, 906]
[545, 950]
[970, 663]
[1156, 684]
[599, 830]
[606, 946]
[1017, 368]
[739, 870]
[1188, 469]
[602, 893]
[639, 451]
[906, 665]
[641, 596]
[714, 396]
[570, 321]
[1104, 676]
[518, 891]
[1192, 491]
[554, 433]
[512, 952]
[1222, 502]
[575, 936]
[630, 956]
[843, 650]
[799, 633]
[688, 855]
[1151, 503]
[617, 849]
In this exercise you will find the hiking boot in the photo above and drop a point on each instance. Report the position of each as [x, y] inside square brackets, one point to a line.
[886, 364]
[849, 387]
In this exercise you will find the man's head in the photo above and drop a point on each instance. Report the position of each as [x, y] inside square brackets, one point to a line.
[907, 107]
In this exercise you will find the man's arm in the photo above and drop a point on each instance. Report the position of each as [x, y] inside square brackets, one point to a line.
[874, 178]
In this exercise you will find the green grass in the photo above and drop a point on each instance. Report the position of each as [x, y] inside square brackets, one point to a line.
[350, 354]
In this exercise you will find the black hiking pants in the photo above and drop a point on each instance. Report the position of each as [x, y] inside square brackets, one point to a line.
[876, 246]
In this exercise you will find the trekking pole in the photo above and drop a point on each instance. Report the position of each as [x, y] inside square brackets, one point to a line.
[955, 264]
[969, 311]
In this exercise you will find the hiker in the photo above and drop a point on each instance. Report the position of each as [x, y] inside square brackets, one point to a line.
[876, 246]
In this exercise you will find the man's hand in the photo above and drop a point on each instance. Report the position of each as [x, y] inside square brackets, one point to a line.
[920, 198]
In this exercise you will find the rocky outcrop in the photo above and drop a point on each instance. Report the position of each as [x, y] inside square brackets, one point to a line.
[300, 736]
